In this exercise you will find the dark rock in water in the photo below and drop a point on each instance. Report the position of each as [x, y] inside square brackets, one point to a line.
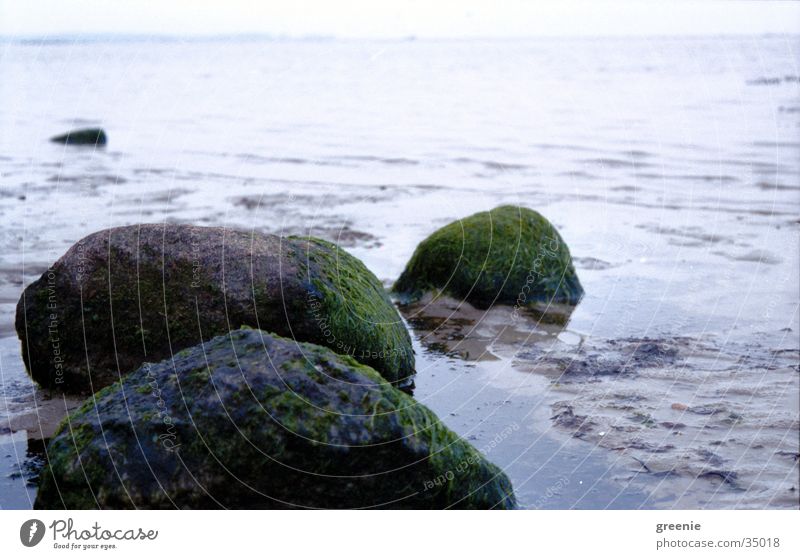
[83, 137]
[252, 420]
[510, 255]
[127, 295]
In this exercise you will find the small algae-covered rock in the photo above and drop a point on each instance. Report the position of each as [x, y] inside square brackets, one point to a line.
[509, 255]
[127, 295]
[252, 420]
[83, 137]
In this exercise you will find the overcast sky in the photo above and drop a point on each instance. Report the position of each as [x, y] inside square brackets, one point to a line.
[376, 18]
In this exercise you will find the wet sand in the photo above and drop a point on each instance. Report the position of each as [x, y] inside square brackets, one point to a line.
[638, 398]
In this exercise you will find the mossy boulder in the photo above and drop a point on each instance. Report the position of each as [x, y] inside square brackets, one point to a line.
[509, 255]
[127, 295]
[82, 137]
[252, 420]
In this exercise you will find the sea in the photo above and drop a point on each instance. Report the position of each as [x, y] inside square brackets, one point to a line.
[669, 165]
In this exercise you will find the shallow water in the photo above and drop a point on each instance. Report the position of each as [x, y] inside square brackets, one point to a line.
[670, 167]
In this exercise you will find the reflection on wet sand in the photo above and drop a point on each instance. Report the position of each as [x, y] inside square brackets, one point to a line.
[458, 329]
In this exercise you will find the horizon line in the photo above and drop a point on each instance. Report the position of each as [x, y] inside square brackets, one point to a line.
[145, 36]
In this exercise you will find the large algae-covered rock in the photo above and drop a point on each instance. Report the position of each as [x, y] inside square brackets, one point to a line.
[127, 295]
[510, 255]
[82, 137]
[252, 420]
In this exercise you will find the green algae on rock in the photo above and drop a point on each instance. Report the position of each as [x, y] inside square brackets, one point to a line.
[83, 137]
[509, 255]
[127, 295]
[252, 420]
